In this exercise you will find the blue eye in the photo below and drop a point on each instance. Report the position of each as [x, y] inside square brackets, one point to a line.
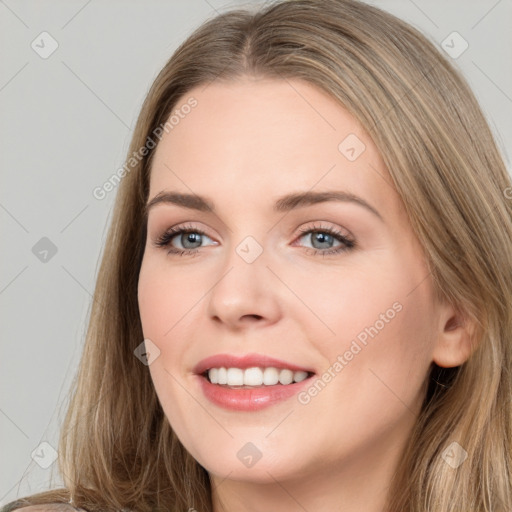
[190, 238]
[327, 236]
[193, 236]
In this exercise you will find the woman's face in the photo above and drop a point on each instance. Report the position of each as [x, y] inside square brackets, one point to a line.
[330, 287]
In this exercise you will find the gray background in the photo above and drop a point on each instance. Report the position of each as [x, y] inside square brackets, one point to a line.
[65, 128]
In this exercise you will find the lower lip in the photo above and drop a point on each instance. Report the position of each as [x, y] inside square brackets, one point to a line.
[249, 399]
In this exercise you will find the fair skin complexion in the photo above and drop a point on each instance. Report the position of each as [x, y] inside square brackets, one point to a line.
[243, 146]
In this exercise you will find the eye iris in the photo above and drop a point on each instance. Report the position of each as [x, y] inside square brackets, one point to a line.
[323, 238]
[192, 238]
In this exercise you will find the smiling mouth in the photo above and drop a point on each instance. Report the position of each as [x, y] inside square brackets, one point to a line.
[255, 377]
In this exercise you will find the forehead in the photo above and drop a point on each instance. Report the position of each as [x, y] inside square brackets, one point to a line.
[265, 138]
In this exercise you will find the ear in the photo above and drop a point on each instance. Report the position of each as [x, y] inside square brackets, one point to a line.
[455, 342]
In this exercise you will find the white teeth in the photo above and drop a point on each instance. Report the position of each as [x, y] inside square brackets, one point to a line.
[286, 377]
[222, 376]
[254, 376]
[213, 375]
[235, 377]
[270, 376]
[299, 376]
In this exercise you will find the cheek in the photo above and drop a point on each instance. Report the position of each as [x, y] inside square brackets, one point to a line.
[154, 301]
[169, 301]
[161, 306]
[337, 304]
[384, 361]
[381, 322]
[164, 298]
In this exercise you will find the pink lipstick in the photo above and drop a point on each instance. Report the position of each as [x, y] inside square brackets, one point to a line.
[243, 397]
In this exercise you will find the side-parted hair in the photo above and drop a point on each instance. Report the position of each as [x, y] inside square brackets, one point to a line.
[117, 450]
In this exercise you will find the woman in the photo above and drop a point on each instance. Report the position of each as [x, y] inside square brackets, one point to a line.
[235, 362]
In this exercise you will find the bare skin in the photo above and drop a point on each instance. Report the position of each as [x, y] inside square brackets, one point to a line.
[245, 145]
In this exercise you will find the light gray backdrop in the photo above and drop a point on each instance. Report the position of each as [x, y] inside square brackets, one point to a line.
[67, 118]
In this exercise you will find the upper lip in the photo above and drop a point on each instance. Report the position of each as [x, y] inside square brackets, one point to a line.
[245, 361]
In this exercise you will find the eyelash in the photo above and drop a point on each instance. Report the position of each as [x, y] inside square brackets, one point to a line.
[165, 239]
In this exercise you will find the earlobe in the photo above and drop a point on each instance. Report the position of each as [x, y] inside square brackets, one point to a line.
[454, 344]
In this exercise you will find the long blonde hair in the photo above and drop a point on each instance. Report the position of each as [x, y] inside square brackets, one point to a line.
[117, 449]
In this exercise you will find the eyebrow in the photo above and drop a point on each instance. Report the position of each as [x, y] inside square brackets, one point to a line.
[283, 204]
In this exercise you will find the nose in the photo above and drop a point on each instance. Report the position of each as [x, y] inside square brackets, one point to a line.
[244, 293]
